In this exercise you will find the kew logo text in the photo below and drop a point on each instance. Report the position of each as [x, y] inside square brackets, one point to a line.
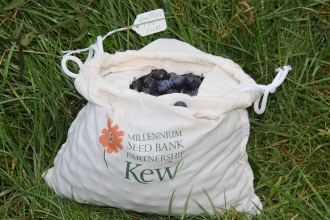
[144, 176]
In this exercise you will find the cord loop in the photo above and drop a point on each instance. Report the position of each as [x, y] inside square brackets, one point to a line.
[265, 89]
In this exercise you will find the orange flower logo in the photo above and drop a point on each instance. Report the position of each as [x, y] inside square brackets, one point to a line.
[111, 138]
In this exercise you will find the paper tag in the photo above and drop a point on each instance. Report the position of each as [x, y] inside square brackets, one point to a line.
[150, 22]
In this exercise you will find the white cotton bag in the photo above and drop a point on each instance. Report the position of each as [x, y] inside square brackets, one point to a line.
[140, 152]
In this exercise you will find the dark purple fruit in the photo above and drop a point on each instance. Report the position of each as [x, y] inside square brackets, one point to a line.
[191, 81]
[151, 84]
[157, 93]
[143, 78]
[194, 92]
[180, 104]
[177, 81]
[161, 74]
[160, 82]
[185, 90]
[136, 85]
[172, 91]
[146, 91]
[164, 86]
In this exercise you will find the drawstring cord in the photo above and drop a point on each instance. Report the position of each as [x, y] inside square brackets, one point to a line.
[94, 49]
[97, 49]
[265, 89]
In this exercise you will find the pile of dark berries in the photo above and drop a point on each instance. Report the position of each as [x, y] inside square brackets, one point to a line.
[160, 82]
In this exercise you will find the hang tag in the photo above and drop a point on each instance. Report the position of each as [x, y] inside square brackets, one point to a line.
[150, 22]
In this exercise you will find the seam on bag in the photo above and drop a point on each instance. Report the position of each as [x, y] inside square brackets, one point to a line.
[246, 165]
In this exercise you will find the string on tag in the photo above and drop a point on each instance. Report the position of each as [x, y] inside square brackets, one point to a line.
[145, 24]
[265, 89]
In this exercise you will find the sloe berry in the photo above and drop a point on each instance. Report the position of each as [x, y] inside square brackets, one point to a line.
[185, 90]
[151, 84]
[194, 92]
[164, 86]
[146, 91]
[136, 85]
[143, 78]
[161, 74]
[180, 104]
[177, 81]
[191, 81]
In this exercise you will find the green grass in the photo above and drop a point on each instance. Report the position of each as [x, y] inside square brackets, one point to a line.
[289, 145]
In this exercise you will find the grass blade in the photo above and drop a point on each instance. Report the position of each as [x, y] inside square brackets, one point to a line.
[326, 206]
[185, 207]
[170, 205]
[203, 209]
[21, 160]
[212, 204]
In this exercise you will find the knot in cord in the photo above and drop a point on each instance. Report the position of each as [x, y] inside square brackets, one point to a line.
[96, 48]
[265, 89]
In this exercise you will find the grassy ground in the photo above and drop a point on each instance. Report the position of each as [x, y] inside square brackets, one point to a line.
[289, 146]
